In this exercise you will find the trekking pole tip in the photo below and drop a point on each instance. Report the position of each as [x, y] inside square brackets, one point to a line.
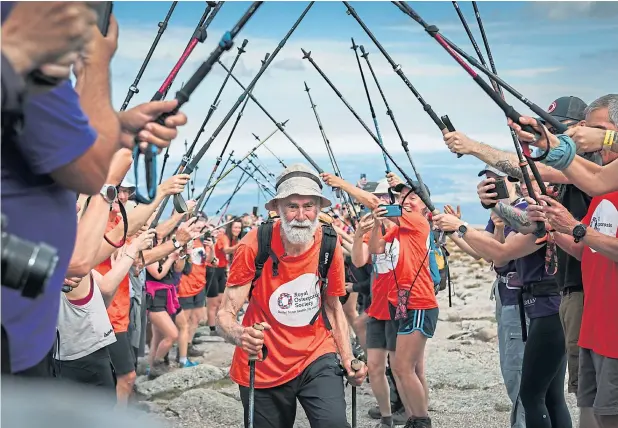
[354, 45]
[306, 55]
[362, 49]
[286, 121]
[306, 87]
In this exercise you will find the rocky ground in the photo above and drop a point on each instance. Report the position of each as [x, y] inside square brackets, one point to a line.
[462, 370]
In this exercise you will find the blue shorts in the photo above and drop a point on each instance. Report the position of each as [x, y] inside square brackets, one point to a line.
[423, 320]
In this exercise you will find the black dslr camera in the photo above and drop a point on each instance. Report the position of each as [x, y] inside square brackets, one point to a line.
[26, 266]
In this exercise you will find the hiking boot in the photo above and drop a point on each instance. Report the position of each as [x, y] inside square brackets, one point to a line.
[159, 368]
[374, 412]
[416, 422]
[383, 425]
[399, 416]
[166, 359]
[214, 333]
[190, 363]
[192, 351]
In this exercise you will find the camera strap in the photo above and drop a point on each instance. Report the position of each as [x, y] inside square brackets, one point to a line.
[125, 221]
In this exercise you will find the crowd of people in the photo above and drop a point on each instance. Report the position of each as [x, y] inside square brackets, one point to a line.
[317, 292]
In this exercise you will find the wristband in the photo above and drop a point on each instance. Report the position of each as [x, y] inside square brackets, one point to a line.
[610, 139]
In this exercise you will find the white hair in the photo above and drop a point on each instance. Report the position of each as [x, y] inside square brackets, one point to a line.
[610, 102]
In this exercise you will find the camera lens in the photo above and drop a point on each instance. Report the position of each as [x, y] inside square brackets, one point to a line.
[26, 266]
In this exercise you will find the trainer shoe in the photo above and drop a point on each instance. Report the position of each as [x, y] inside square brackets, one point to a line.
[374, 412]
[159, 368]
[190, 363]
[399, 416]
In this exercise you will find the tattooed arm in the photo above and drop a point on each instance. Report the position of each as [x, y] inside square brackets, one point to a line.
[227, 324]
[508, 163]
[515, 218]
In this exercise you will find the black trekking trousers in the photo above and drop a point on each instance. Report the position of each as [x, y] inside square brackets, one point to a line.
[542, 375]
[319, 389]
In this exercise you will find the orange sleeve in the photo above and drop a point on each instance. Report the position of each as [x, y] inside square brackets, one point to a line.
[242, 270]
[391, 234]
[412, 221]
[336, 274]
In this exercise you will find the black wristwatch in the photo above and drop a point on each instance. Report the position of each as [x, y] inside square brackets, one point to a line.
[461, 231]
[177, 244]
[579, 232]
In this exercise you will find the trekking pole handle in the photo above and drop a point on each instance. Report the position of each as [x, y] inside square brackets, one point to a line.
[258, 327]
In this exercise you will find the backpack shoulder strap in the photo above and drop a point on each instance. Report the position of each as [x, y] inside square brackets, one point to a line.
[264, 235]
[327, 251]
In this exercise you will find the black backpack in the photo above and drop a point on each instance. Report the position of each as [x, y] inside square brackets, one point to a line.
[327, 250]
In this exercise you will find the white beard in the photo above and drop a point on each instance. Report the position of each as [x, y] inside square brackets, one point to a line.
[298, 232]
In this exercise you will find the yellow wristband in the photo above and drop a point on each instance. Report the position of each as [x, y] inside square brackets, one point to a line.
[609, 139]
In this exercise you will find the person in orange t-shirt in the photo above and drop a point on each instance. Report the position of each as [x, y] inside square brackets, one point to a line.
[192, 289]
[301, 362]
[216, 276]
[412, 302]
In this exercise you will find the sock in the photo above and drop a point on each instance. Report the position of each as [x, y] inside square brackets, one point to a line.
[388, 420]
[212, 328]
[182, 360]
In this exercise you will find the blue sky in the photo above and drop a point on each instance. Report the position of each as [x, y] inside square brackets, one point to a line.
[545, 50]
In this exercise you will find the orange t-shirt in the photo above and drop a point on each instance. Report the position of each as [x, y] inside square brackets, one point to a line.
[118, 310]
[222, 242]
[287, 302]
[192, 284]
[413, 236]
[383, 277]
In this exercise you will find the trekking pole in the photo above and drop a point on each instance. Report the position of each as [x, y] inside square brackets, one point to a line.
[390, 114]
[444, 123]
[252, 359]
[223, 169]
[259, 170]
[271, 152]
[258, 182]
[356, 366]
[183, 95]
[225, 173]
[133, 89]
[227, 141]
[373, 113]
[213, 107]
[199, 36]
[420, 193]
[178, 200]
[331, 155]
[283, 131]
[263, 165]
[454, 51]
[239, 184]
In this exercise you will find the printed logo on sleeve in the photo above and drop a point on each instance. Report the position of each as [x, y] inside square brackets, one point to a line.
[295, 303]
[605, 219]
[197, 256]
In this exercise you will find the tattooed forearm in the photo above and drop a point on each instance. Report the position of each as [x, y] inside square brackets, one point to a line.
[514, 218]
[511, 170]
[226, 321]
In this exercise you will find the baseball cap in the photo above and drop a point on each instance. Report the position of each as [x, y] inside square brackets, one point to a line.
[567, 108]
[416, 184]
[370, 187]
[297, 179]
[489, 168]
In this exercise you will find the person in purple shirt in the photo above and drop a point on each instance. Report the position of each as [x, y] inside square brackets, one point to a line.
[544, 362]
[56, 155]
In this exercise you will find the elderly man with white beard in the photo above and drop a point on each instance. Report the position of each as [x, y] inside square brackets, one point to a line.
[292, 272]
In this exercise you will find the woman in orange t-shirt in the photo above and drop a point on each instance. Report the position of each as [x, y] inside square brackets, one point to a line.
[216, 276]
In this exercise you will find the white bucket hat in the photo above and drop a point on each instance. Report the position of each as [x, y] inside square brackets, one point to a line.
[297, 179]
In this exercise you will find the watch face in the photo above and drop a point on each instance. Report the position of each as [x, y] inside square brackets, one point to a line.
[579, 231]
[110, 193]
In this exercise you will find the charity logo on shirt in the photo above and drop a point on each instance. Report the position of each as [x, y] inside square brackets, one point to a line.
[386, 262]
[605, 219]
[295, 303]
[197, 256]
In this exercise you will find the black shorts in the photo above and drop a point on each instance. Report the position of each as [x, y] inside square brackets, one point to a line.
[94, 369]
[319, 389]
[121, 354]
[216, 278]
[158, 303]
[193, 302]
[381, 334]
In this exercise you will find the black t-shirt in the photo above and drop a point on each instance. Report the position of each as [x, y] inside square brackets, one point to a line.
[569, 272]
